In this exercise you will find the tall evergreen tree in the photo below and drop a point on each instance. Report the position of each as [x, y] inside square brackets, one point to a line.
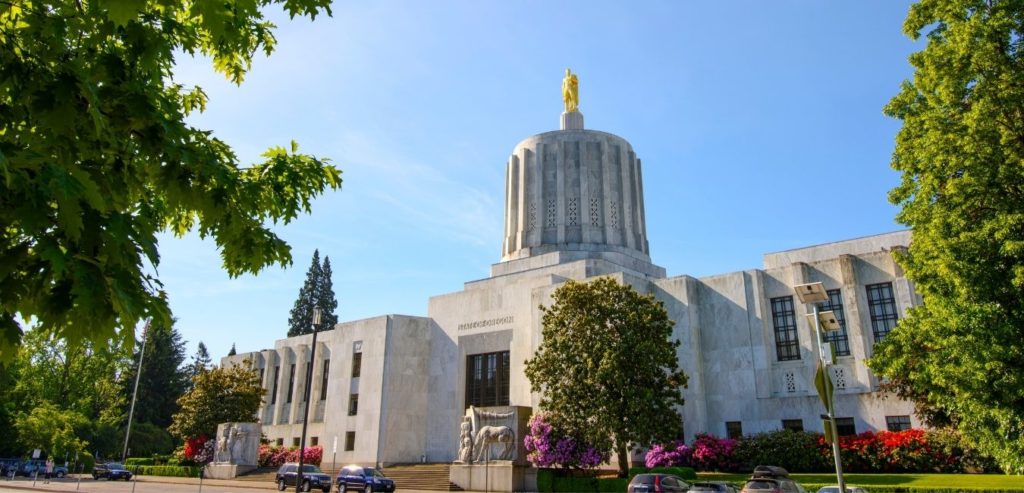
[316, 290]
[232, 352]
[164, 377]
[200, 361]
[325, 297]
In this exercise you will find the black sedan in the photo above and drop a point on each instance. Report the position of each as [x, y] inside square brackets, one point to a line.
[312, 477]
[111, 471]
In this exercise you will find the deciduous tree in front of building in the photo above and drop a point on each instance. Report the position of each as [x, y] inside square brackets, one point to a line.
[961, 155]
[606, 367]
[220, 395]
[97, 158]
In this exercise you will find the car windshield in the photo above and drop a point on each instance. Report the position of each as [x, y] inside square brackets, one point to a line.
[309, 468]
[643, 479]
[369, 471]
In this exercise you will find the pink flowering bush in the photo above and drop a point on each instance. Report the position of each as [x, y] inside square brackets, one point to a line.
[669, 455]
[710, 453]
[548, 447]
[274, 456]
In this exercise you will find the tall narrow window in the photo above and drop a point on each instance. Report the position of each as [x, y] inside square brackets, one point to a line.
[787, 346]
[291, 384]
[323, 380]
[357, 364]
[353, 404]
[487, 379]
[350, 441]
[306, 384]
[837, 337]
[734, 429]
[882, 306]
[277, 379]
[263, 372]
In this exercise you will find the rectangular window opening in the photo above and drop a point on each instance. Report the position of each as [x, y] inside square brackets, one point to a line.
[793, 424]
[353, 404]
[357, 364]
[323, 380]
[314, 441]
[787, 345]
[882, 307]
[487, 379]
[838, 338]
[734, 429]
[277, 379]
[897, 423]
[350, 441]
[291, 385]
[845, 427]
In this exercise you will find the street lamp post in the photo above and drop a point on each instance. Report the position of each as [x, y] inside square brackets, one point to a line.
[813, 294]
[309, 383]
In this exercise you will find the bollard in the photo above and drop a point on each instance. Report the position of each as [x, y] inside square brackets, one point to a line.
[35, 475]
[135, 478]
[200, 480]
[81, 470]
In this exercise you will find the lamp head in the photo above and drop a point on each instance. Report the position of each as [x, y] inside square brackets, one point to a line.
[316, 315]
[811, 293]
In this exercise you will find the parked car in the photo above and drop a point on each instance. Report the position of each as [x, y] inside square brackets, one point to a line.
[312, 477]
[366, 479]
[111, 471]
[29, 467]
[656, 483]
[835, 489]
[9, 466]
[59, 471]
[713, 486]
[771, 479]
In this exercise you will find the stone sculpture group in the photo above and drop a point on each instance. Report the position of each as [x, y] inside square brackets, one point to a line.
[234, 445]
[475, 445]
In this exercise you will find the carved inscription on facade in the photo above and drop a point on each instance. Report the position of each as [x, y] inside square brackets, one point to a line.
[479, 324]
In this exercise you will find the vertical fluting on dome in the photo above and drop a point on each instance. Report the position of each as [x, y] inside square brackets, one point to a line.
[574, 190]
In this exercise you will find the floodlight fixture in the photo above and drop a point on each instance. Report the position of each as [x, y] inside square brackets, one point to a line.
[811, 293]
[828, 321]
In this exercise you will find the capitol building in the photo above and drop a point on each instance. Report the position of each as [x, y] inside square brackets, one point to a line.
[394, 389]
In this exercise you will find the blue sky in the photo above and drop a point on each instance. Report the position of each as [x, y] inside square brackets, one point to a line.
[740, 111]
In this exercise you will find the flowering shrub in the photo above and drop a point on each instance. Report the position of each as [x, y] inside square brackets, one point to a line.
[546, 447]
[710, 453]
[195, 452]
[672, 454]
[274, 456]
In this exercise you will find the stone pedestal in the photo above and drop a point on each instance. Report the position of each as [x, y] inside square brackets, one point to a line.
[225, 471]
[572, 120]
[494, 476]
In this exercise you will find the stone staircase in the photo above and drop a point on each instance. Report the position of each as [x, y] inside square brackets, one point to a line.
[431, 477]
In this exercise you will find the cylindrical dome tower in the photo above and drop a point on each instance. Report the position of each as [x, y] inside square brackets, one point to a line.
[574, 190]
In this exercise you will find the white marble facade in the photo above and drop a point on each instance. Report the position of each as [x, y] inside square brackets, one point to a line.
[574, 210]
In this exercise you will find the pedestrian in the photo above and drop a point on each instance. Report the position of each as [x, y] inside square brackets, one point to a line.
[49, 470]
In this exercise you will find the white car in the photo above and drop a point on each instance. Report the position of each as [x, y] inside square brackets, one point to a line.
[835, 489]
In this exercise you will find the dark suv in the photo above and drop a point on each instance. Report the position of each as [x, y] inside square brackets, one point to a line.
[366, 479]
[111, 471]
[771, 479]
[312, 477]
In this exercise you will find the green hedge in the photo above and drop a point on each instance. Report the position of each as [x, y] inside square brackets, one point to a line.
[139, 461]
[175, 471]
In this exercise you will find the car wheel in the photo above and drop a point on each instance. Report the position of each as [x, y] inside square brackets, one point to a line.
[342, 488]
[369, 489]
[305, 486]
[280, 484]
[60, 474]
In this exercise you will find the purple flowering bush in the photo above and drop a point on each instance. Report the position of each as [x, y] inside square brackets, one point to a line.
[548, 447]
[707, 453]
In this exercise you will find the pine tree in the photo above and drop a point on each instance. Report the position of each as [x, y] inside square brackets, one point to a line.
[232, 352]
[164, 378]
[325, 297]
[201, 361]
[301, 317]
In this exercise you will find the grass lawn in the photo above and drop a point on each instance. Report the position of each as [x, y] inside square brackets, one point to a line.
[958, 481]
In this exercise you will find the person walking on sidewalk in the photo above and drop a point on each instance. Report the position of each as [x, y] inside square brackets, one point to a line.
[49, 470]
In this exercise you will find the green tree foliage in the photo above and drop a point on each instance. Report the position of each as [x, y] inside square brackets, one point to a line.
[961, 155]
[232, 352]
[606, 368]
[200, 361]
[163, 379]
[148, 439]
[317, 289]
[96, 159]
[219, 395]
[51, 429]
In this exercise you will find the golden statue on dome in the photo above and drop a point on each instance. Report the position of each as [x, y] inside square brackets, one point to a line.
[571, 92]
